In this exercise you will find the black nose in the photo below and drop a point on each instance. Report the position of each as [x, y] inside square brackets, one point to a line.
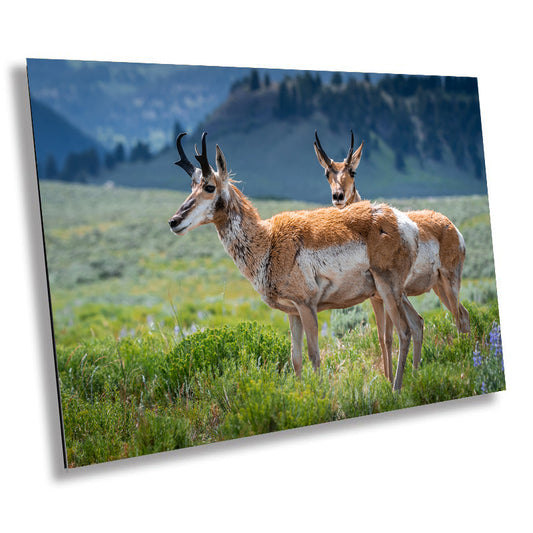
[173, 222]
[338, 196]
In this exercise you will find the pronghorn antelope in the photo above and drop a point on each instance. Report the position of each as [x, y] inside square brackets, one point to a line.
[440, 259]
[303, 262]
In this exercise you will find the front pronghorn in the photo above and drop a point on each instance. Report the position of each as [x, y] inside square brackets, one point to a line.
[303, 262]
[439, 263]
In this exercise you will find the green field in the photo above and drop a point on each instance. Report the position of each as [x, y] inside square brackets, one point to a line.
[162, 344]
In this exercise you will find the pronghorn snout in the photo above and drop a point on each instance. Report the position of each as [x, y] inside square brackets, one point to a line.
[176, 221]
[338, 198]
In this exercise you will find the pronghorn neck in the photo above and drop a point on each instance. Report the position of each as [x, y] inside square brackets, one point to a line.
[356, 196]
[241, 231]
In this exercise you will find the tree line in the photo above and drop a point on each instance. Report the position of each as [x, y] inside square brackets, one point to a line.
[83, 165]
[428, 117]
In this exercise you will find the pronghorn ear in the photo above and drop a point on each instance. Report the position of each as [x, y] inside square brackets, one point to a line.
[320, 157]
[356, 158]
[222, 169]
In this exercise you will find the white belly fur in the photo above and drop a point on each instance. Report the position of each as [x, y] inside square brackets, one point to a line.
[339, 274]
[424, 273]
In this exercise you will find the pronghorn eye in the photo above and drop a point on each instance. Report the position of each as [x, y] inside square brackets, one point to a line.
[209, 188]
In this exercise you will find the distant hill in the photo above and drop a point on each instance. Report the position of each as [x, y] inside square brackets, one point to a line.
[56, 136]
[125, 102]
[422, 138]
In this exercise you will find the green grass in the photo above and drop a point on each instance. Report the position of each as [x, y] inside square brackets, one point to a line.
[153, 392]
[162, 344]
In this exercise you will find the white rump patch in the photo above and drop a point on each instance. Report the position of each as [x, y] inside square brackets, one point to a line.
[408, 230]
[424, 272]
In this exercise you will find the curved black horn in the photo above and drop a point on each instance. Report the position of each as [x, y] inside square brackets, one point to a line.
[184, 163]
[321, 150]
[350, 153]
[202, 158]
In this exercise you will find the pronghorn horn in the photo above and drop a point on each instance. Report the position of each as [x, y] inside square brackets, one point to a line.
[202, 159]
[184, 163]
[321, 150]
[350, 153]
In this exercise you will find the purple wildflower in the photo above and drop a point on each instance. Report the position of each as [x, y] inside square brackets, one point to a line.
[495, 339]
[478, 358]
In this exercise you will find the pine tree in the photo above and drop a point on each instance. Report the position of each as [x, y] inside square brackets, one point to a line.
[119, 153]
[336, 79]
[51, 172]
[254, 80]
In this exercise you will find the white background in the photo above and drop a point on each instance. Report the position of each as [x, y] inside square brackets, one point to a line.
[460, 466]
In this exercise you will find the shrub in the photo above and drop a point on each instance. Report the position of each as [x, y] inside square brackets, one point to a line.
[266, 402]
[205, 352]
[161, 431]
[97, 431]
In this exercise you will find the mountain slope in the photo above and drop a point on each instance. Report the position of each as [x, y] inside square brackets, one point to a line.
[56, 136]
[272, 155]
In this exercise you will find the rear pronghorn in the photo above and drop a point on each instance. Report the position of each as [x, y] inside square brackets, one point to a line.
[441, 252]
[303, 262]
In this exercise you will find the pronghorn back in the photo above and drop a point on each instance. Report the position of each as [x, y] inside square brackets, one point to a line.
[382, 229]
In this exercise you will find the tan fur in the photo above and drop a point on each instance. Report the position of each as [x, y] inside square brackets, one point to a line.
[433, 227]
[302, 262]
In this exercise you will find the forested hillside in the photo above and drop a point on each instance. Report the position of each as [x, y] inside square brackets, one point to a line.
[422, 137]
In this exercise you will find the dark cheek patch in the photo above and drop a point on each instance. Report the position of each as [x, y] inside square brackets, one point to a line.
[220, 204]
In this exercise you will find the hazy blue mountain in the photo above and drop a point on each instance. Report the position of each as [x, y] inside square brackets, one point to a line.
[56, 136]
[418, 141]
[125, 102]
[422, 133]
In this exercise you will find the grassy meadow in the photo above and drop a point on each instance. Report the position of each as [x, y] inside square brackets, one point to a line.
[162, 344]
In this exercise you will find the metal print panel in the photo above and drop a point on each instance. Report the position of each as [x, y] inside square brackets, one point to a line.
[321, 249]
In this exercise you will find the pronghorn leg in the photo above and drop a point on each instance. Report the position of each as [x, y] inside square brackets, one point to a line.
[391, 294]
[388, 341]
[448, 285]
[439, 291]
[296, 343]
[310, 325]
[379, 312]
[416, 323]
[464, 319]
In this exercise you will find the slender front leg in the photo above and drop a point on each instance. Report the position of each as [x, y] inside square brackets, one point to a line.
[388, 341]
[391, 294]
[447, 289]
[309, 319]
[379, 312]
[416, 323]
[296, 343]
